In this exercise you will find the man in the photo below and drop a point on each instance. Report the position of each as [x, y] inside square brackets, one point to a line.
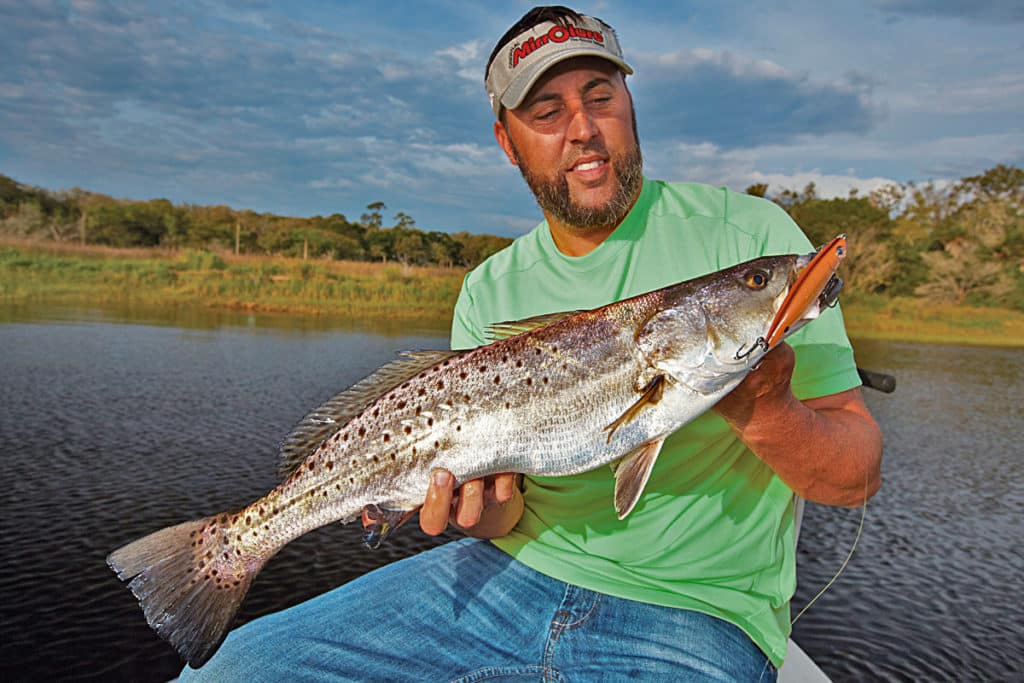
[695, 583]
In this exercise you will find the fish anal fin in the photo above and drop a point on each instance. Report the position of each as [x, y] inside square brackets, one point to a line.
[632, 473]
[511, 328]
[327, 419]
[378, 523]
[651, 395]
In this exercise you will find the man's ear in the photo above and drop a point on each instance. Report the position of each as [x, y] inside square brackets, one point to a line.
[501, 135]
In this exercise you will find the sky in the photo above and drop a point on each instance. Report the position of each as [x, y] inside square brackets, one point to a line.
[311, 107]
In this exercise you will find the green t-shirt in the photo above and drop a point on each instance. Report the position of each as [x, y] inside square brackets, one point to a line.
[714, 529]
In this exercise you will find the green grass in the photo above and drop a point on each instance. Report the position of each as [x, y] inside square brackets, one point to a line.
[75, 275]
[34, 272]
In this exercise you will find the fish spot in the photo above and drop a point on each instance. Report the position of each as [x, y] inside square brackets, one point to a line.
[483, 368]
[507, 405]
[266, 527]
[418, 410]
[362, 431]
[387, 437]
[529, 381]
[519, 363]
[447, 362]
[413, 451]
[538, 351]
[376, 412]
[497, 379]
[330, 466]
[351, 480]
[375, 458]
[554, 349]
[504, 359]
[408, 429]
[544, 379]
[421, 392]
[401, 404]
[430, 422]
[462, 375]
[458, 428]
[440, 385]
[393, 455]
[437, 444]
[248, 520]
[565, 366]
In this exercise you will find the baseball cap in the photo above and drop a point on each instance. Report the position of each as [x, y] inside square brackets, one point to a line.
[521, 61]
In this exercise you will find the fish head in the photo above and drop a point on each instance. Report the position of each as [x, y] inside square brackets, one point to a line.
[711, 331]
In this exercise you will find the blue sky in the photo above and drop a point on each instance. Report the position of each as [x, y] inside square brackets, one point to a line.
[313, 107]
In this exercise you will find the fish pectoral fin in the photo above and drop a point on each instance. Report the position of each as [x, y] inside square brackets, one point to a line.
[378, 523]
[651, 395]
[632, 473]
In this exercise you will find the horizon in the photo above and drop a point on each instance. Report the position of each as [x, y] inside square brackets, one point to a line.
[316, 108]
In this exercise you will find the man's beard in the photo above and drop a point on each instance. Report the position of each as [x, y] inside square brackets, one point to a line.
[554, 199]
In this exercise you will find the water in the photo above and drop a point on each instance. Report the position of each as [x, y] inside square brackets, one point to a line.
[115, 423]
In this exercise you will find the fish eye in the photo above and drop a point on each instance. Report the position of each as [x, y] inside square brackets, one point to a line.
[757, 279]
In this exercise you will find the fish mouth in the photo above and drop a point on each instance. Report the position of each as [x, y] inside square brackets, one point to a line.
[814, 288]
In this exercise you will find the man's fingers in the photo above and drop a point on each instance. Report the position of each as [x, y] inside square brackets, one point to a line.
[437, 506]
[504, 486]
[471, 503]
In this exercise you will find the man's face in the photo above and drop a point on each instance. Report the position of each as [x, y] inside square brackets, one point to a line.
[574, 140]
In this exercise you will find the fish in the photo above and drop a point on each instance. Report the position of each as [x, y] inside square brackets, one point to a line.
[556, 394]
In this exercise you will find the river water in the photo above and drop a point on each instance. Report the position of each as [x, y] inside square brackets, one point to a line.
[114, 423]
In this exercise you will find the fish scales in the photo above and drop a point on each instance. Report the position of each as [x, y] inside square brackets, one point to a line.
[560, 398]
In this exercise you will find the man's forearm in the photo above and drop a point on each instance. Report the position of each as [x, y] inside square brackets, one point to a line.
[828, 449]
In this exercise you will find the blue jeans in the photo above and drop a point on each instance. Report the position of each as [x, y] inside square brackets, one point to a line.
[467, 611]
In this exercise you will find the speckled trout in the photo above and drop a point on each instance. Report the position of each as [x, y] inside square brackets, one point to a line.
[553, 395]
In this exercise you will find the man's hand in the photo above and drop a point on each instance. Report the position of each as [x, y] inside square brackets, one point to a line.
[827, 449]
[484, 508]
[765, 388]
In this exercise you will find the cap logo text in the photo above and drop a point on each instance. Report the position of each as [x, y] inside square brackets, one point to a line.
[556, 34]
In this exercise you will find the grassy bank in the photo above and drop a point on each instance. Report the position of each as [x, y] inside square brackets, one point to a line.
[32, 272]
[69, 274]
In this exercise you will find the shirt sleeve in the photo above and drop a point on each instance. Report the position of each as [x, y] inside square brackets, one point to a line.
[467, 333]
[824, 355]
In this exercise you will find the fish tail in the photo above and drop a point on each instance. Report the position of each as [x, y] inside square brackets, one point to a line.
[190, 581]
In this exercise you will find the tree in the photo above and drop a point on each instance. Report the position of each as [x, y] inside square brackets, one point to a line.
[758, 190]
[373, 219]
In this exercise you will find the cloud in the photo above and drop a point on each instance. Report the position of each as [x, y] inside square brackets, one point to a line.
[989, 11]
[701, 95]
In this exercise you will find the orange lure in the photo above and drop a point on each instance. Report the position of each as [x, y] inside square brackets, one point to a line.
[808, 286]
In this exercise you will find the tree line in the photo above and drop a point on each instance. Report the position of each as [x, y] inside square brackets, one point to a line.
[90, 218]
[956, 242]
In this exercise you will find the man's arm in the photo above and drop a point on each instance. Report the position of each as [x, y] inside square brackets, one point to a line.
[827, 449]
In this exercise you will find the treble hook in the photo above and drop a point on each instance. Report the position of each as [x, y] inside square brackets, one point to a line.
[740, 354]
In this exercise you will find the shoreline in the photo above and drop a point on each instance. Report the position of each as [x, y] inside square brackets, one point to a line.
[330, 293]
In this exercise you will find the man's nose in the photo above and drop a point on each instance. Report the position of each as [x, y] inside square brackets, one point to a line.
[581, 126]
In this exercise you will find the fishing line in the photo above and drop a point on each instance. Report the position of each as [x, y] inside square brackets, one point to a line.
[849, 556]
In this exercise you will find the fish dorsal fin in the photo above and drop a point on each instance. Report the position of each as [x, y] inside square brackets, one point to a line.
[632, 473]
[651, 395]
[511, 328]
[324, 421]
